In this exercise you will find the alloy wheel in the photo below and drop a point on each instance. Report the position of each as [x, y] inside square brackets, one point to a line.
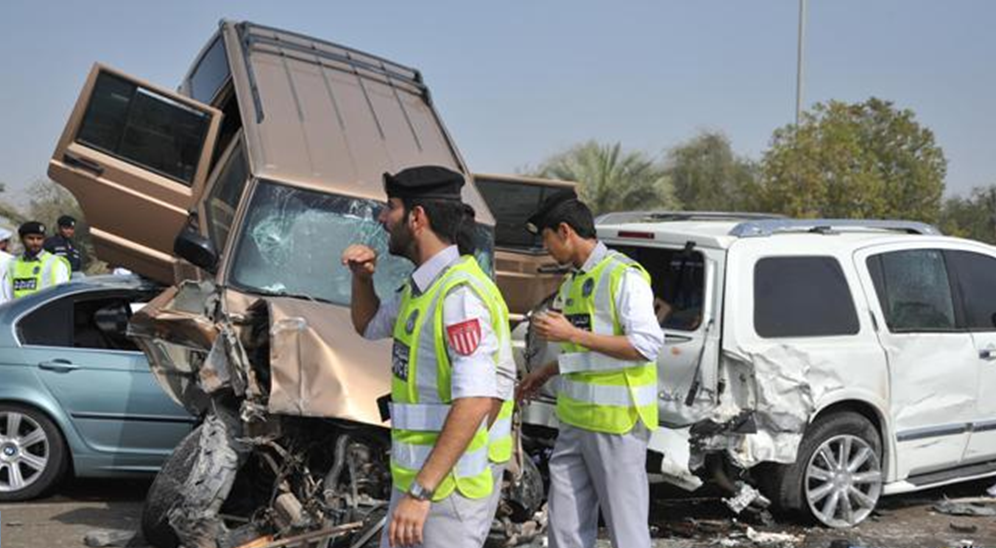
[24, 451]
[843, 481]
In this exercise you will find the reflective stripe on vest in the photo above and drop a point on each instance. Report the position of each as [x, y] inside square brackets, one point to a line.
[421, 383]
[599, 392]
[27, 277]
[500, 435]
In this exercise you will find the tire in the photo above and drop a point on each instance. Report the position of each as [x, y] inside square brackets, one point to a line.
[33, 457]
[165, 492]
[817, 487]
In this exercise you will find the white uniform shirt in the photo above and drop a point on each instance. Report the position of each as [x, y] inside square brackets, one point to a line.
[473, 375]
[635, 306]
[5, 259]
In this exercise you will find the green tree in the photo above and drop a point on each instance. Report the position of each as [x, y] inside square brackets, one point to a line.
[862, 160]
[47, 202]
[973, 216]
[707, 175]
[611, 179]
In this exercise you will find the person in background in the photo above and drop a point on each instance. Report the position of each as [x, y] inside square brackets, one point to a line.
[62, 243]
[5, 258]
[35, 268]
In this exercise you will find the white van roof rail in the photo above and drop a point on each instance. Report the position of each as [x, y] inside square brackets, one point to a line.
[625, 217]
[769, 227]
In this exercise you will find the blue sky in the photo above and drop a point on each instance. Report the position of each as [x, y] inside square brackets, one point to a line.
[516, 81]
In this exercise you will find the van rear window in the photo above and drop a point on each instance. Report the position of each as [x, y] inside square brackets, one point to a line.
[802, 297]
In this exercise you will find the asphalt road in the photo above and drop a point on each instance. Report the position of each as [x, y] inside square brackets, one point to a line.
[908, 521]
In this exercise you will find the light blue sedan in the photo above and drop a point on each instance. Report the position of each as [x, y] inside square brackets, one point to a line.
[76, 396]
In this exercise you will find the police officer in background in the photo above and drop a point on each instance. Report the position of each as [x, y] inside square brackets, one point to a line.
[35, 268]
[62, 244]
[607, 398]
[5, 258]
[452, 367]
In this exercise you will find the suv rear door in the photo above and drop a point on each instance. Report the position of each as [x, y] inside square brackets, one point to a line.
[932, 358]
[135, 156]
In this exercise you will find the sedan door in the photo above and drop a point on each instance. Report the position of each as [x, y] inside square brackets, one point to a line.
[135, 156]
[102, 382]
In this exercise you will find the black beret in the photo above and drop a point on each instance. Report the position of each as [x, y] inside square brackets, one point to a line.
[66, 221]
[540, 219]
[31, 227]
[427, 182]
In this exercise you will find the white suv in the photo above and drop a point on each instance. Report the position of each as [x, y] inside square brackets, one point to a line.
[849, 359]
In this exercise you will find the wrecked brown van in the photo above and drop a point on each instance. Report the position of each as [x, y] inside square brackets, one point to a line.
[258, 171]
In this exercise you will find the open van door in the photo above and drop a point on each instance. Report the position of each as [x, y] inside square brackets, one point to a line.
[135, 156]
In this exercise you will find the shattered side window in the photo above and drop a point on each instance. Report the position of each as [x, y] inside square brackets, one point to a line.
[292, 240]
[914, 290]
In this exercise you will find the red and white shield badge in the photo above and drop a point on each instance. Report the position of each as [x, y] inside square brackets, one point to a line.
[465, 336]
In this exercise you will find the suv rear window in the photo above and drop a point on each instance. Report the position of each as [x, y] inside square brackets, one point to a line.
[802, 297]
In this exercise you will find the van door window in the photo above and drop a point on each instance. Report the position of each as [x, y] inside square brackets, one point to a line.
[224, 198]
[802, 297]
[976, 280]
[677, 277]
[144, 128]
[913, 290]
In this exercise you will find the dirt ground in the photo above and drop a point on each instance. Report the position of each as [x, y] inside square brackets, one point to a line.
[906, 521]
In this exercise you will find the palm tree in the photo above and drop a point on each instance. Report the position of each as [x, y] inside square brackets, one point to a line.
[611, 179]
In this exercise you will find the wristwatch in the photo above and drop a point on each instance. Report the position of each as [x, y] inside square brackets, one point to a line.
[418, 492]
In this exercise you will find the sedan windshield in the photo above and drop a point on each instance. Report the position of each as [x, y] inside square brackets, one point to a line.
[293, 238]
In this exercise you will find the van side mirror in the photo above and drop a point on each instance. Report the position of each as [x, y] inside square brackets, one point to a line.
[198, 250]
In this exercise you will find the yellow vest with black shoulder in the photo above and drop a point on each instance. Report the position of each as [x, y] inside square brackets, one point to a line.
[603, 394]
[27, 276]
[421, 385]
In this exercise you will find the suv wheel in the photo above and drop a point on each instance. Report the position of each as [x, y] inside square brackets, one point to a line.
[837, 476]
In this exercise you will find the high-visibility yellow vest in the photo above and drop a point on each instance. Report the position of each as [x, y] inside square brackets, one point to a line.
[421, 383]
[607, 394]
[30, 275]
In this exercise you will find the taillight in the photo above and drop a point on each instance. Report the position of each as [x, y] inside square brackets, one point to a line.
[634, 234]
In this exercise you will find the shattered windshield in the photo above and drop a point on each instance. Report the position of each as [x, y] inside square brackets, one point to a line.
[293, 238]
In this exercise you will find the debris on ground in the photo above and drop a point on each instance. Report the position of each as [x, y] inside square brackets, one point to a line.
[963, 528]
[746, 495]
[102, 539]
[773, 539]
[957, 508]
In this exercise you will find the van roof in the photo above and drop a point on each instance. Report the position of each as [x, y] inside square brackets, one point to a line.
[328, 117]
[722, 230]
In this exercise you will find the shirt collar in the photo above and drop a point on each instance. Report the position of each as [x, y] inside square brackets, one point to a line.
[596, 257]
[424, 275]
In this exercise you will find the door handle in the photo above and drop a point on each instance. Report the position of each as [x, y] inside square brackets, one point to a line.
[58, 365]
[75, 160]
[988, 354]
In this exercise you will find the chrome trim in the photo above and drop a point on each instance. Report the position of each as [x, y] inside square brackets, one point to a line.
[933, 431]
[769, 227]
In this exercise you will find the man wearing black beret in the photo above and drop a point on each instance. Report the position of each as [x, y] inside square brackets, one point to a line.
[452, 367]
